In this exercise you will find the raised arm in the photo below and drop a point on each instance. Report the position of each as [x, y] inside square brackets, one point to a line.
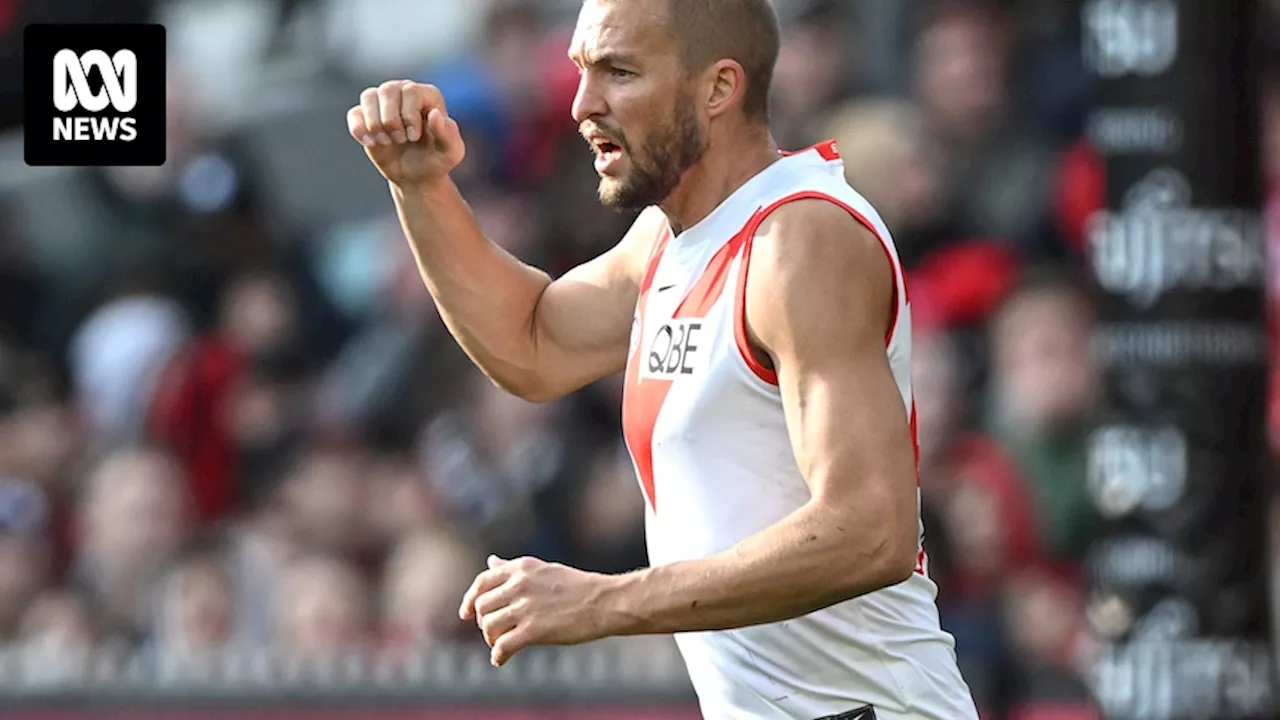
[534, 337]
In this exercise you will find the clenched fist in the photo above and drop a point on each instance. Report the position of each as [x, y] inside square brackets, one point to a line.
[524, 602]
[407, 132]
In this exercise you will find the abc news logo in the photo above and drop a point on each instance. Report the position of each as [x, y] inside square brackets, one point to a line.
[94, 95]
[71, 91]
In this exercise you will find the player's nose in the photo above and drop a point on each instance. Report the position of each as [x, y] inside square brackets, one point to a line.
[589, 101]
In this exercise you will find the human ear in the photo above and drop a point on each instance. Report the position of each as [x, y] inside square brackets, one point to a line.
[727, 81]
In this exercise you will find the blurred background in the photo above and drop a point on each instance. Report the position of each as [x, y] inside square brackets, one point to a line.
[245, 470]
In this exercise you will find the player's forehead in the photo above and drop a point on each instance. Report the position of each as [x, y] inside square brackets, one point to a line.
[635, 30]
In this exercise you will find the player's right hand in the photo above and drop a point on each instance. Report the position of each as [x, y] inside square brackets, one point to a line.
[406, 132]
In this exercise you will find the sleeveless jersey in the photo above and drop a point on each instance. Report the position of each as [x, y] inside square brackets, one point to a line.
[704, 423]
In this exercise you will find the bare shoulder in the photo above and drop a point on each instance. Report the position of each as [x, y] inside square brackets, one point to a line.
[817, 269]
[814, 240]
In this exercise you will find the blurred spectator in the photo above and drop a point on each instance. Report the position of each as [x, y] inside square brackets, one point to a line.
[39, 433]
[59, 620]
[57, 635]
[195, 402]
[324, 497]
[425, 579]
[117, 355]
[261, 542]
[259, 314]
[990, 527]
[1043, 617]
[131, 522]
[400, 502]
[1053, 87]
[890, 159]
[817, 67]
[196, 605]
[264, 420]
[24, 549]
[937, 383]
[1044, 384]
[607, 518]
[489, 459]
[506, 92]
[322, 608]
[997, 170]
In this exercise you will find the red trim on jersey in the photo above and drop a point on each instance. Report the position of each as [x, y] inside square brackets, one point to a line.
[710, 285]
[740, 337]
[642, 400]
[922, 560]
[915, 435]
[739, 311]
[827, 149]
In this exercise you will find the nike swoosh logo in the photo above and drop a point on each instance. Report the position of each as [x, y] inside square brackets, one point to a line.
[665, 288]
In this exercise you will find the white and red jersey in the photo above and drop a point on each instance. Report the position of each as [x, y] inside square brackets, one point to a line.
[704, 423]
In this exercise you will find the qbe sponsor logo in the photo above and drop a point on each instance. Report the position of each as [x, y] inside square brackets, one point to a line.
[674, 349]
[94, 94]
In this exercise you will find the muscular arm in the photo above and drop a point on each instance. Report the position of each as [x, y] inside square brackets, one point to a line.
[534, 337]
[819, 301]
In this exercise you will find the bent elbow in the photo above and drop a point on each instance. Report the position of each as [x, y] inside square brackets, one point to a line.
[900, 553]
[526, 387]
[892, 561]
[900, 567]
[538, 396]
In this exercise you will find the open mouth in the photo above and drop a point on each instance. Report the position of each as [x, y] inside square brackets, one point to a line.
[605, 148]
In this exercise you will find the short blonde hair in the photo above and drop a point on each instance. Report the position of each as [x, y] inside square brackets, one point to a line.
[872, 135]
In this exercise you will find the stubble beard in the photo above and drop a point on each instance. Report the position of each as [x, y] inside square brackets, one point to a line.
[657, 169]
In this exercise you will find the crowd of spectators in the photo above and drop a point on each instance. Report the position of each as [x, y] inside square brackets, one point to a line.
[218, 426]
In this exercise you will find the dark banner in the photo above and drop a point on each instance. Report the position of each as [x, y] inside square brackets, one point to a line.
[1178, 460]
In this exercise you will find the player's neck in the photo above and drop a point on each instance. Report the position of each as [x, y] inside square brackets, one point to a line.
[721, 171]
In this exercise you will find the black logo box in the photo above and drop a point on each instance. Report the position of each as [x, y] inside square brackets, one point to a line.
[41, 42]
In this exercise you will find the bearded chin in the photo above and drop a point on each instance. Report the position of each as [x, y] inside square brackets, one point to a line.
[662, 162]
[622, 194]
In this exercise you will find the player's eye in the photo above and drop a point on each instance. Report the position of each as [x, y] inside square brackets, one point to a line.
[620, 73]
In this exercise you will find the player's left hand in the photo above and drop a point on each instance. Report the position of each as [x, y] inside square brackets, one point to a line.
[524, 602]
